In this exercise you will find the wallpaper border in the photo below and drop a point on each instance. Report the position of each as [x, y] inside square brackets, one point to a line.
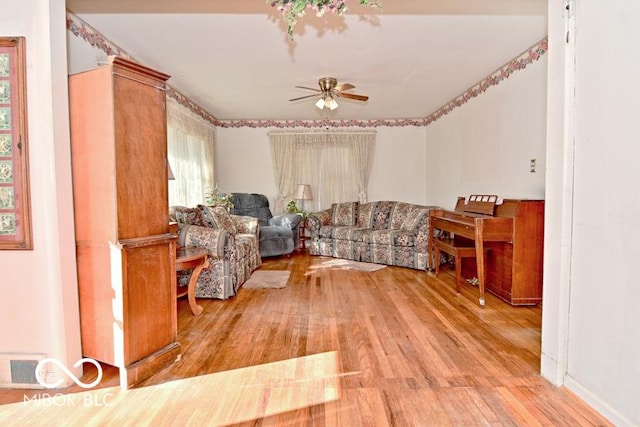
[82, 30]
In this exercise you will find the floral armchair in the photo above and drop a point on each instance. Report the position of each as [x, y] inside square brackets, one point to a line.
[230, 240]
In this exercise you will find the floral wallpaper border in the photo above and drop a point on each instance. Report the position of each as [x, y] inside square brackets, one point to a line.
[81, 29]
[521, 62]
[94, 38]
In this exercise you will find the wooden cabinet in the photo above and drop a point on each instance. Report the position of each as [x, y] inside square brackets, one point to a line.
[125, 253]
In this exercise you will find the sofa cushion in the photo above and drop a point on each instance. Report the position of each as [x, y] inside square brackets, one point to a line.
[185, 215]
[365, 214]
[352, 233]
[381, 214]
[414, 219]
[326, 231]
[398, 214]
[345, 213]
[390, 238]
[218, 217]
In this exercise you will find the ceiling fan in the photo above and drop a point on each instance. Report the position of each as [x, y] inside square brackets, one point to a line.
[329, 91]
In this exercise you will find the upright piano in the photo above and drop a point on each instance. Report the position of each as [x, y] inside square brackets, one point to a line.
[512, 230]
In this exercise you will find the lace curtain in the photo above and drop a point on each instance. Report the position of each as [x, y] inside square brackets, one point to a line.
[336, 164]
[190, 142]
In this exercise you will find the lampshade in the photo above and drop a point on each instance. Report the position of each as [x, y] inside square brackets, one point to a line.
[303, 192]
[328, 102]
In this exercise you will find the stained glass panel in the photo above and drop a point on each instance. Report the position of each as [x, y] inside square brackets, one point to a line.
[5, 145]
[15, 209]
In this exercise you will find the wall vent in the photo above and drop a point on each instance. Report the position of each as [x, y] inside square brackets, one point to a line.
[18, 370]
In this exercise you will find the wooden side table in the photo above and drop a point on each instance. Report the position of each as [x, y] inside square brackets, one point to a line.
[187, 258]
[302, 236]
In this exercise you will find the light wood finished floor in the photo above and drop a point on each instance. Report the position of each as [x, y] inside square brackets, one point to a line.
[395, 347]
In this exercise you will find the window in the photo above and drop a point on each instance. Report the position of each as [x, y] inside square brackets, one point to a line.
[190, 142]
[336, 164]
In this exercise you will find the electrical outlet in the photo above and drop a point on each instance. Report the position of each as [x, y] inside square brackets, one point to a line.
[532, 166]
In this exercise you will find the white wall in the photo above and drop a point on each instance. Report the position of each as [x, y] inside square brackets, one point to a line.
[398, 167]
[485, 146]
[243, 163]
[604, 333]
[39, 305]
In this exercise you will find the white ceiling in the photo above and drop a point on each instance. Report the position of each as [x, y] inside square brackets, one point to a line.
[234, 59]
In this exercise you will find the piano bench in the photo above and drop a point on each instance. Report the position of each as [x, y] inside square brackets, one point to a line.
[457, 252]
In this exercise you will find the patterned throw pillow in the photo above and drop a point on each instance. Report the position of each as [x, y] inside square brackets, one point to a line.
[344, 213]
[365, 214]
[185, 215]
[398, 214]
[414, 219]
[381, 214]
[218, 217]
[246, 224]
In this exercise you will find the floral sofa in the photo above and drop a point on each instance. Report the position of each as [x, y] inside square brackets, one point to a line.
[232, 243]
[383, 232]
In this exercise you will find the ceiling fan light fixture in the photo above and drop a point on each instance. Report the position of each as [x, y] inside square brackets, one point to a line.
[328, 102]
[329, 90]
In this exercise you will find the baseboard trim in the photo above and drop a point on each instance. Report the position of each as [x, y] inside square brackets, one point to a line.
[597, 403]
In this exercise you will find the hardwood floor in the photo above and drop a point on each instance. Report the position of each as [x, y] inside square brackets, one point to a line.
[395, 347]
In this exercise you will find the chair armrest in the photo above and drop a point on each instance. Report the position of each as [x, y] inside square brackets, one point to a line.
[288, 220]
[246, 224]
[317, 219]
[219, 243]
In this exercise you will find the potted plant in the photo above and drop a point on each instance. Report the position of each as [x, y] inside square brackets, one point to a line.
[293, 208]
[217, 197]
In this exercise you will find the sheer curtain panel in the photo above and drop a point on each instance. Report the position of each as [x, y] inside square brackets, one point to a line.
[190, 142]
[337, 165]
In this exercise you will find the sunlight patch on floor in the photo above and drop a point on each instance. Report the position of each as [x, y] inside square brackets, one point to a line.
[215, 399]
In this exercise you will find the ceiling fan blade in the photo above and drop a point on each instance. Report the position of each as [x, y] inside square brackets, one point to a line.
[352, 96]
[344, 86]
[304, 97]
[308, 88]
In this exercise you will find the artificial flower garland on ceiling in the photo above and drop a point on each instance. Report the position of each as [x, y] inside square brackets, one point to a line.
[294, 9]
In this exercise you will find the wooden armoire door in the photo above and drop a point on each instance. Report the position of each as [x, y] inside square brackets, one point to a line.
[140, 135]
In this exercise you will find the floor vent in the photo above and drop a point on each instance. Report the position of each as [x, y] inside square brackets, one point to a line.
[18, 370]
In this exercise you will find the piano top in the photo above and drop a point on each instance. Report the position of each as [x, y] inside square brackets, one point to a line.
[501, 208]
[484, 204]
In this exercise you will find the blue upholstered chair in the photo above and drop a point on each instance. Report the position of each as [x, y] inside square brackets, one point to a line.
[278, 234]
